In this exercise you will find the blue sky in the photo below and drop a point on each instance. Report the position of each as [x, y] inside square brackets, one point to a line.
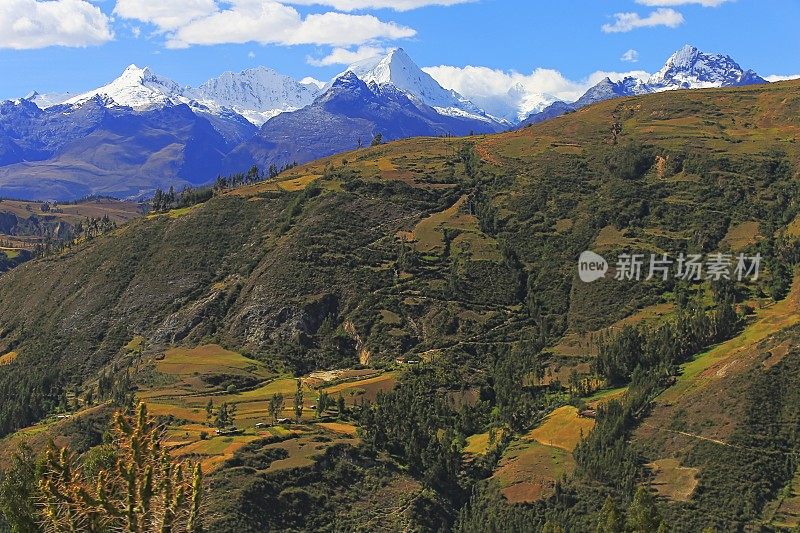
[60, 45]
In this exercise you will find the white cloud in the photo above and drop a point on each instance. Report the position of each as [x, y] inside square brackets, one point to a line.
[269, 22]
[498, 91]
[631, 56]
[779, 77]
[166, 14]
[343, 56]
[308, 80]
[397, 5]
[626, 22]
[27, 24]
[251, 55]
[668, 3]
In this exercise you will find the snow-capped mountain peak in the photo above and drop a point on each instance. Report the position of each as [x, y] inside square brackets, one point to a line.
[258, 93]
[138, 88]
[690, 68]
[397, 69]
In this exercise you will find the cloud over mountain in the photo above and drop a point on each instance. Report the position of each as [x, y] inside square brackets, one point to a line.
[512, 95]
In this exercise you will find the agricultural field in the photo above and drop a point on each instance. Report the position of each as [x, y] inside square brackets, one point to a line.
[794, 228]
[533, 463]
[355, 392]
[190, 378]
[429, 233]
[741, 236]
[482, 443]
[731, 356]
[528, 470]
[72, 213]
[586, 344]
[673, 481]
[25, 225]
[341, 274]
[563, 428]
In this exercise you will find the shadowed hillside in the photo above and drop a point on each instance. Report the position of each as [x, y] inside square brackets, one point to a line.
[434, 274]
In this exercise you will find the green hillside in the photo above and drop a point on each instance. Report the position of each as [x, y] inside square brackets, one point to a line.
[425, 292]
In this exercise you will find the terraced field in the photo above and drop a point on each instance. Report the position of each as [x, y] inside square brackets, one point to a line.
[529, 470]
[195, 376]
[366, 389]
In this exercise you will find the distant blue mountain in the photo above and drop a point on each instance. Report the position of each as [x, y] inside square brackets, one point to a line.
[350, 113]
[70, 151]
[143, 131]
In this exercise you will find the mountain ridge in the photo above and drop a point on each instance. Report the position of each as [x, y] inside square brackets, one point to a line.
[253, 112]
[435, 274]
[688, 68]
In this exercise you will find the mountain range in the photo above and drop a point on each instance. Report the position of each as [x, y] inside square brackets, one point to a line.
[404, 342]
[688, 68]
[143, 131]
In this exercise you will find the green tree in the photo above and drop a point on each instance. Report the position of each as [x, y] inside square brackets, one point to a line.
[323, 403]
[276, 406]
[298, 401]
[209, 410]
[226, 415]
[18, 489]
[610, 519]
[377, 140]
[552, 527]
[340, 405]
[643, 515]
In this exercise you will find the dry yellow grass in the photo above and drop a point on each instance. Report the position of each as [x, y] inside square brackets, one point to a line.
[8, 358]
[369, 386]
[116, 210]
[214, 451]
[135, 344]
[563, 428]
[429, 232]
[203, 359]
[564, 225]
[740, 236]
[339, 427]
[386, 165]
[611, 237]
[298, 184]
[528, 471]
[794, 228]
[673, 481]
[184, 413]
[390, 317]
[303, 451]
[479, 444]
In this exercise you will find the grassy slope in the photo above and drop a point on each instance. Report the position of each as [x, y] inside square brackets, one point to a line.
[708, 413]
[306, 281]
